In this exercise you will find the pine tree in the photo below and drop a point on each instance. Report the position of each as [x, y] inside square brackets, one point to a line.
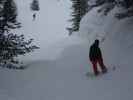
[11, 44]
[80, 8]
[35, 5]
[127, 5]
[108, 5]
[8, 15]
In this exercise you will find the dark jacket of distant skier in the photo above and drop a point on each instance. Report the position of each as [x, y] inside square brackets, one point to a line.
[95, 52]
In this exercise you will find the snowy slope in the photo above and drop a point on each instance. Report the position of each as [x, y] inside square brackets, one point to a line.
[117, 45]
[57, 71]
[48, 28]
[115, 36]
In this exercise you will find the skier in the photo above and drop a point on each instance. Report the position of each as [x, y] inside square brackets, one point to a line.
[34, 16]
[95, 56]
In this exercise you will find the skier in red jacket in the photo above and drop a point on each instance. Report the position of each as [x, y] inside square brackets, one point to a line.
[95, 56]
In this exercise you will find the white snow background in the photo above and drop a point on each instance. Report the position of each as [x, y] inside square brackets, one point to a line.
[57, 71]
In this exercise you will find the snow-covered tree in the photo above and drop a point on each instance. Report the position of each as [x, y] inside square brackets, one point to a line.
[11, 44]
[107, 5]
[79, 7]
[35, 5]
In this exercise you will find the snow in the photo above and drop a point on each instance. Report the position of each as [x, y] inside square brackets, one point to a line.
[57, 71]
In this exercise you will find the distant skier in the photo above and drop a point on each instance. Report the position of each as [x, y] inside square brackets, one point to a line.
[95, 56]
[34, 16]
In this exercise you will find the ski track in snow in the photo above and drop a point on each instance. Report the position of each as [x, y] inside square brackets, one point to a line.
[63, 79]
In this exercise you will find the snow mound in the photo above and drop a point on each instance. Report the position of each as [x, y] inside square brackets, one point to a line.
[115, 36]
